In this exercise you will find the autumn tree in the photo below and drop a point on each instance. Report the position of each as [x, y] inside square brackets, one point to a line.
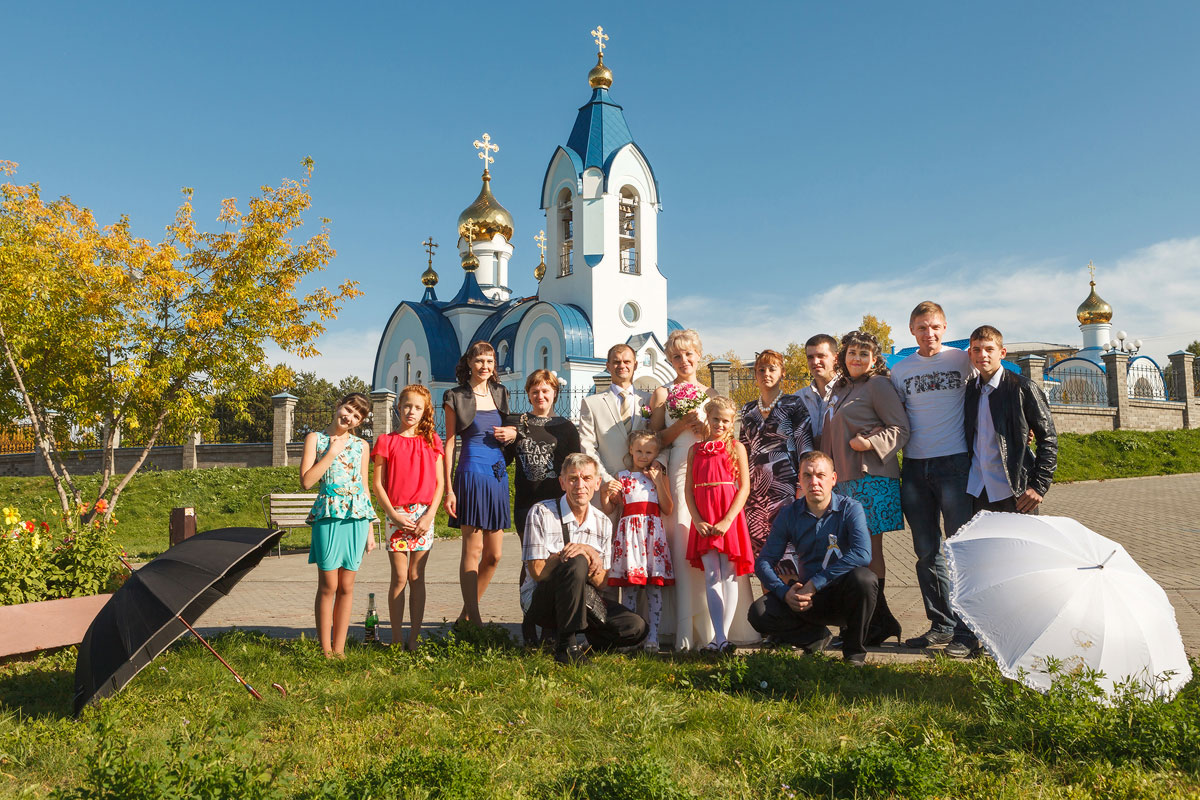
[103, 331]
[882, 331]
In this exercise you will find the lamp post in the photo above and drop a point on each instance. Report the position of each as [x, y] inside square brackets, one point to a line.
[1119, 345]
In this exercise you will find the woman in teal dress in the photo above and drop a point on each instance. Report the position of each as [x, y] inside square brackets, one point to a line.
[341, 518]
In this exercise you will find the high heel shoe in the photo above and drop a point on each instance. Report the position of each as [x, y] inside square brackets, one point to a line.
[884, 624]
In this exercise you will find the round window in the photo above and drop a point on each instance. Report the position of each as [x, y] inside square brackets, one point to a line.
[630, 313]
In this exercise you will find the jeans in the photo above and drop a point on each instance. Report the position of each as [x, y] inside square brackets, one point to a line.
[929, 487]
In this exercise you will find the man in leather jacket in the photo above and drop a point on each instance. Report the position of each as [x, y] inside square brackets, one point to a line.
[1002, 410]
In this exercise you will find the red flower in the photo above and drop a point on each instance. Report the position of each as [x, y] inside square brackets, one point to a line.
[29, 526]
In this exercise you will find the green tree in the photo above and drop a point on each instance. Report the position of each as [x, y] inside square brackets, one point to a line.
[101, 330]
[882, 331]
[1194, 348]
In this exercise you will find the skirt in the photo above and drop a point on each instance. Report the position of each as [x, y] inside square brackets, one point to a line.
[482, 497]
[400, 541]
[880, 498]
[338, 543]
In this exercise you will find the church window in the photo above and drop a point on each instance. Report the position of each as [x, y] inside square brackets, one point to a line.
[407, 369]
[501, 354]
[630, 313]
[545, 357]
[627, 229]
[566, 235]
[418, 376]
[395, 385]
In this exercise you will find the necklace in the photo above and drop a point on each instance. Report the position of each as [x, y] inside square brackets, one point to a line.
[766, 410]
[484, 393]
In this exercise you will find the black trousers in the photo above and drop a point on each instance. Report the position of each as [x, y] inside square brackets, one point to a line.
[558, 603]
[848, 601]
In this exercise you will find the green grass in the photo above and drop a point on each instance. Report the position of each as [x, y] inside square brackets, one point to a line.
[466, 721]
[1127, 454]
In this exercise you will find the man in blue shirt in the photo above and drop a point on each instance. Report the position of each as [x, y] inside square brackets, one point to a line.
[836, 586]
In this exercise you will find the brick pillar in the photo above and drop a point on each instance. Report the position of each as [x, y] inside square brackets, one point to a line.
[1034, 368]
[189, 460]
[1116, 376]
[381, 411]
[602, 380]
[1185, 384]
[281, 432]
[718, 376]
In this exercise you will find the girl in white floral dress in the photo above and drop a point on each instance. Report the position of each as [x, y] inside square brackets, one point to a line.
[641, 557]
[341, 517]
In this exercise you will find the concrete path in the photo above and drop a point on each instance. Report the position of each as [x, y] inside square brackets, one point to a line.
[1156, 519]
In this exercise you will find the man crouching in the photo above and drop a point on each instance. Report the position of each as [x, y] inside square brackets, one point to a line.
[567, 549]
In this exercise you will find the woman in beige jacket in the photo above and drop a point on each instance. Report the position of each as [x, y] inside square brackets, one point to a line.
[865, 427]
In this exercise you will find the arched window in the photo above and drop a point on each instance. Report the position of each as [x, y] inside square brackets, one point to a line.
[501, 354]
[418, 376]
[627, 230]
[545, 357]
[407, 369]
[566, 234]
[395, 385]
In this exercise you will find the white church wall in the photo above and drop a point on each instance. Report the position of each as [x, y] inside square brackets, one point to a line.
[405, 337]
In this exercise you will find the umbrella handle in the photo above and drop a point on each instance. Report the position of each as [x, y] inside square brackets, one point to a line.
[204, 642]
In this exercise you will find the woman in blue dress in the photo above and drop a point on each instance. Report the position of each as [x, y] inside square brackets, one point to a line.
[478, 498]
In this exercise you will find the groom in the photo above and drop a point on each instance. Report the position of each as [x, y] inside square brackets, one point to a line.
[607, 418]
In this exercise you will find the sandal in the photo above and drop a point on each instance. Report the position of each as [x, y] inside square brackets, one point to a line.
[729, 648]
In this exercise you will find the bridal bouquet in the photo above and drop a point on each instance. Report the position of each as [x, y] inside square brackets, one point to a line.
[685, 397]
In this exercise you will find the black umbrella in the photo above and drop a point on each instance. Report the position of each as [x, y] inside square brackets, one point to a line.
[159, 602]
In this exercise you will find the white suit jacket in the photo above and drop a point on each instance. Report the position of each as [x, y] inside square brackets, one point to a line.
[602, 433]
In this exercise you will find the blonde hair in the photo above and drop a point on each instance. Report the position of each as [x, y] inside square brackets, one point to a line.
[635, 437]
[681, 339]
[725, 404]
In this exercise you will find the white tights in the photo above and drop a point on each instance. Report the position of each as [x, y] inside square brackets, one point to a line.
[629, 597]
[721, 592]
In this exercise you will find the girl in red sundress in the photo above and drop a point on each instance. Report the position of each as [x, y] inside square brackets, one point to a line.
[718, 483]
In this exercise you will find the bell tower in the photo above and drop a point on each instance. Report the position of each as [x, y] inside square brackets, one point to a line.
[601, 203]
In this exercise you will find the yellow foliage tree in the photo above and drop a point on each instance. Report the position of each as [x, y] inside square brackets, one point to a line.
[101, 330]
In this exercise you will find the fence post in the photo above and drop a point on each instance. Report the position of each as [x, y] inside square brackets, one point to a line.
[1116, 377]
[718, 375]
[189, 460]
[602, 380]
[1034, 368]
[1185, 385]
[281, 432]
[381, 411]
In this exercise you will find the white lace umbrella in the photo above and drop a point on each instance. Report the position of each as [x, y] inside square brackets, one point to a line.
[1039, 588]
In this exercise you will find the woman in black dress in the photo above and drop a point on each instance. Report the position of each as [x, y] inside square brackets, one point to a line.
[542, 443]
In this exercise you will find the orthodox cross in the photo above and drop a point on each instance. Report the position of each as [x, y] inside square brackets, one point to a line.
[1092, 269]
[483, 147]
[601, 37]
[541, 242]
[470, 226]
[430, 245]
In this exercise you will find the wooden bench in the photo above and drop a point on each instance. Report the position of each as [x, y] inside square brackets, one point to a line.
[285, 511]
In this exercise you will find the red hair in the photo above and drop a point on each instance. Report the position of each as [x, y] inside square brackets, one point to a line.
[425, 428]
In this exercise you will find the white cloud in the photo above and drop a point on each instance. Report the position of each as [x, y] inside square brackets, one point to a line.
[1154, 292]
[343, 353]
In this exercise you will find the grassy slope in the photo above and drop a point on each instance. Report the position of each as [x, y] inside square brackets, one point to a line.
[230, 497]
[716, 729]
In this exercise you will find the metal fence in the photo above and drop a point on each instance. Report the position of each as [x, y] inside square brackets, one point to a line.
[1144, 380]
[17, 439]
[1076, 386]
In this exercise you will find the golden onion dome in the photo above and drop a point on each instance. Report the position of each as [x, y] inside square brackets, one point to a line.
[601, 76]
[429, 277]
[487, 216]
[539, 271]
[1093, 309]
[470, 261]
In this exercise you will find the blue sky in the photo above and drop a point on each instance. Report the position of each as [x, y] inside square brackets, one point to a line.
[816, 161]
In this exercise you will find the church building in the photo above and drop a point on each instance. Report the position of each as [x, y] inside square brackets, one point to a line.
[602, 285]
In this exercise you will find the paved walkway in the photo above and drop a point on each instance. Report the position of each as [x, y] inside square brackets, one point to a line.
[1156, 519]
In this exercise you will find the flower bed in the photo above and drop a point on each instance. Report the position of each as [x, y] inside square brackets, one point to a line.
[44, 560]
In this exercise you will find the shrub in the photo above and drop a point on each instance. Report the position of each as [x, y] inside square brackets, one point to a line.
[632, 779]
[38, 564]
[412, 773]
[905, 767]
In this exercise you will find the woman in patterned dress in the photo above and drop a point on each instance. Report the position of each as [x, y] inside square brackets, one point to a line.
[775, 431]
[865, 427]
[341, 517]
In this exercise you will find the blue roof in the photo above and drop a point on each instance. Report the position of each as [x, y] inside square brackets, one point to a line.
[600, 130]
[577, 330]
[470, 294]
[437, 330]
[673, 326]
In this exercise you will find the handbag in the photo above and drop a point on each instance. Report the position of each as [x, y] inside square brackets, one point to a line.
[597, 611]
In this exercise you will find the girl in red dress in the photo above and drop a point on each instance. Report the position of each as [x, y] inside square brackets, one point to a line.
[718, 483]
[408, 483]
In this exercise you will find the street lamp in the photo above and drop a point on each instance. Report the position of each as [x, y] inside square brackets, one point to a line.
[1119, 345]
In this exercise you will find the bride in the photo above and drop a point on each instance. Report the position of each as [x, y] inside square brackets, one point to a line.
[692, 626]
